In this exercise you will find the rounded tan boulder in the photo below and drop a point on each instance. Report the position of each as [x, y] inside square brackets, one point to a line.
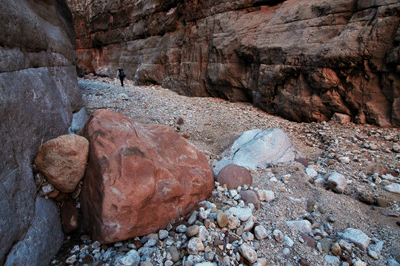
[63, 161]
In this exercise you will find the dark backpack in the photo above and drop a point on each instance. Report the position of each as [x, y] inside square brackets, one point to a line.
[121, 73]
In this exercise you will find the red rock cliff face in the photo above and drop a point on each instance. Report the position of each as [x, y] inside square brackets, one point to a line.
[301, 59]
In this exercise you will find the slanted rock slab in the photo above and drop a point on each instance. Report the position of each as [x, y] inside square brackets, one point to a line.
[259, 148]
[139, 177]
[356, 236]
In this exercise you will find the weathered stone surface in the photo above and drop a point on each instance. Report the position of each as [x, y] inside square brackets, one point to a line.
[42, 240]
[63, 161]
[233, 176]
[304, 60]
[356, 236]
[39, 93]
[249, 196]
[69, 217]
[337, 182]
[139, 177]
[259, 148]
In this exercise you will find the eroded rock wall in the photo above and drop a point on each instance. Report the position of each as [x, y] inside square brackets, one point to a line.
[301, 59]
[39, 93]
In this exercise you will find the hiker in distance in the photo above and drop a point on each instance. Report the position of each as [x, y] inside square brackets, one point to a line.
[121, 75]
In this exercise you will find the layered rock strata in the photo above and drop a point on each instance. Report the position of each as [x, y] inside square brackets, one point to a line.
[39, 93]
[300, 59]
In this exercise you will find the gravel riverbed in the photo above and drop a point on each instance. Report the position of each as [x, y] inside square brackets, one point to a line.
[367, 156]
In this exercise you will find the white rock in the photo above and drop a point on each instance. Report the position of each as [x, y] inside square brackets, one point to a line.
[266, 195]
[356, 236]
[206, 264]
[192, 218]
[286, 251]
[360, 263]
[278, 235]
[392, 262]
[248, 253]
[243, 214]
[337, 182]
[195, 245]
[233, 193]
[248, 225]
[333, 260]
[260, 232]
[388, 177]
[233, 222]
[181, 228]
[303, 226]
[203, 233]
[130, 258]
[162, 234]
[395, 188]
[288, 241]
[71, 260]
[247, 237]
[319, 182]
[310, 171]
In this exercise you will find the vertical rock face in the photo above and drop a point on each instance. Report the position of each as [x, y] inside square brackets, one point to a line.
[39, 93]
[304, 60]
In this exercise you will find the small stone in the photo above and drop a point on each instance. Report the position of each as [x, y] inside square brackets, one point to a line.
[288, 241]
[248, 253]
[382, 202]
[195, 245]
[192, 218]
[359, 238]
[304, 262]
[332, 260]
[262, 261]
[222, 219]
[233, 222]
[266, 195]
[192, 230]
[373, 254]
[346, 245]
[243, 214]
[366, 198]
[71, 260]
[247, 237]
[319, 182]
[360, 263]
[174, 253]
[130, 258]
[395, 188]
[203, 233]
[392, 262]
[248, 225]
[337, 182]
[278, 235]
[303, 226]
[260, 232]
[249, 196]
[181, 228]
[163, 234]
[310, 171]
[286, 251]
[336, 249]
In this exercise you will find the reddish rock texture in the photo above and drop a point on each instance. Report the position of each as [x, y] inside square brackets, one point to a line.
[139, 177]
[304, 60]
[63, 161]
[233, 176]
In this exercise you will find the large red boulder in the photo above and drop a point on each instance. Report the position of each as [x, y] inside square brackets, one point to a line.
[139, 177]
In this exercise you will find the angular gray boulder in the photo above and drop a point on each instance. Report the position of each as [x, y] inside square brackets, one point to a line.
[39, 94]
[259, 147]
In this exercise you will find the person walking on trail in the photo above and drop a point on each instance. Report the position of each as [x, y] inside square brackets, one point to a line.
[121, 75]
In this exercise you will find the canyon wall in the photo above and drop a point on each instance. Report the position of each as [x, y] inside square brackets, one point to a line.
[301, 59]
[39, 93]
